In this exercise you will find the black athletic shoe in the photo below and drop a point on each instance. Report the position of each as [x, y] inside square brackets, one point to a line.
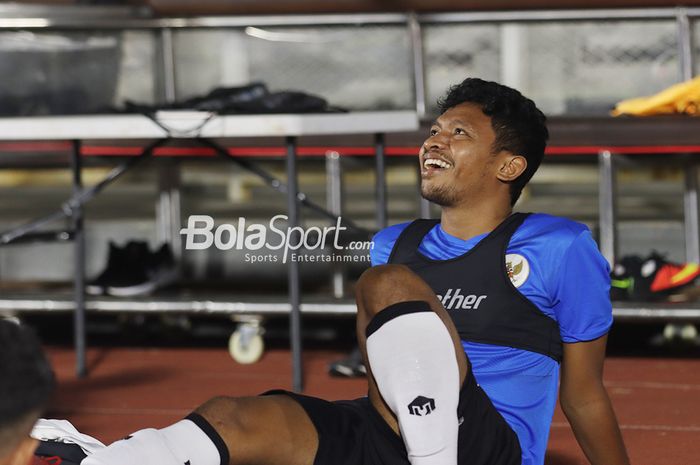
[115, 264]
[351, 367]
[144, 271]
[622, 277]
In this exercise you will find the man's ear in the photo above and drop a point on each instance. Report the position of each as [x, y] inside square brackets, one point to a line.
[511, 167]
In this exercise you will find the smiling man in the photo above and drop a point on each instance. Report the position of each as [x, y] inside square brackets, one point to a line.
[541, 284]
[464, 323]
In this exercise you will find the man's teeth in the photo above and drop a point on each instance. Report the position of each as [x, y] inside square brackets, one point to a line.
[436, 162]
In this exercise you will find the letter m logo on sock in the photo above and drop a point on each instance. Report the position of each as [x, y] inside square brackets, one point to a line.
[421, 406]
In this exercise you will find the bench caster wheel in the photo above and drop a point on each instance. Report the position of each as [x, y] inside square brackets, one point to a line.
[246, 344]
[689, 332]
[670, 332]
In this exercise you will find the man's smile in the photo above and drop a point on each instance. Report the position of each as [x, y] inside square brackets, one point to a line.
[432, 164]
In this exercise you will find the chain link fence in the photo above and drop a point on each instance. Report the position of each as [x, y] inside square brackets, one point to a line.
[140, 73]
[354, 67]
[45, 73]
[453, 52]
[567, 68]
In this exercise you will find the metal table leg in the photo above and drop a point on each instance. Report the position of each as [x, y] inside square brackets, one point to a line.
[380, 160]
[690, 209]
[79, 282]
[293, 266]
[691, 222]
[334, 203]
[607, 211]
[167, 64]
[684, 34]
[168, 216]
[414, 28]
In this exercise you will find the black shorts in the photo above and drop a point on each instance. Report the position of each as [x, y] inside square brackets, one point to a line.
[351, 432]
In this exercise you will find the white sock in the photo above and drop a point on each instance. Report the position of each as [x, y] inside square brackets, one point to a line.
[192, 441]
[413, 360]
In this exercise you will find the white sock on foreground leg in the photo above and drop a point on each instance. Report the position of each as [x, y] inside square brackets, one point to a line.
[192, 441]
[413, 360]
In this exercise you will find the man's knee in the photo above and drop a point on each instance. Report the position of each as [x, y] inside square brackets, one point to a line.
[383, 279]
[248, 425]
[225, 415]
[384, 285]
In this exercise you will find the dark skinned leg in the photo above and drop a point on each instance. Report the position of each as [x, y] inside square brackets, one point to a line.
[385, 285]
[265, 430]
[275, 430]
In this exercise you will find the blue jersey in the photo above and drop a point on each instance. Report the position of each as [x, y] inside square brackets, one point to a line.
[568, 280]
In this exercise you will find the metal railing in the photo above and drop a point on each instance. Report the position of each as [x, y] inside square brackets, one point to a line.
[411, 63]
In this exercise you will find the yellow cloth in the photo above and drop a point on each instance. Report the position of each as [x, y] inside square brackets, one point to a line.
[679, 98]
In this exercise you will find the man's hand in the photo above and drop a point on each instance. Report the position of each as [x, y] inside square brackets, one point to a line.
[586, 404]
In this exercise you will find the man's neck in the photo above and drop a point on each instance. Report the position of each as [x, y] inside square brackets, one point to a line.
[467, 222]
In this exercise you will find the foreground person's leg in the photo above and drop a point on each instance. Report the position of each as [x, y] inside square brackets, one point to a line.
[270, 430]
[415, 361]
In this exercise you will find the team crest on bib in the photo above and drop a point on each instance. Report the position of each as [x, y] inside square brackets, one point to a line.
[518, 269]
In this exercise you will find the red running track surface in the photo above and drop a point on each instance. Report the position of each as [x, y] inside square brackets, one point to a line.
[657, 400]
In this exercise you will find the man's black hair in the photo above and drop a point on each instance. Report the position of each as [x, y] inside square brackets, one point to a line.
[26, 378]
[519, 126]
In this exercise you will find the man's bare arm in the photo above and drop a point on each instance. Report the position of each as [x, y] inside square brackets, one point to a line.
[587, 406]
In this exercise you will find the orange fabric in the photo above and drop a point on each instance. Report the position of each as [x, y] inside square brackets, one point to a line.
[683, 98]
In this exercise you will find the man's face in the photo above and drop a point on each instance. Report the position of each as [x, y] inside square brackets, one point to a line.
[457, 163]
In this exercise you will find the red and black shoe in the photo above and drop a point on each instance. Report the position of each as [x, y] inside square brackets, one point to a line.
[658, 278]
